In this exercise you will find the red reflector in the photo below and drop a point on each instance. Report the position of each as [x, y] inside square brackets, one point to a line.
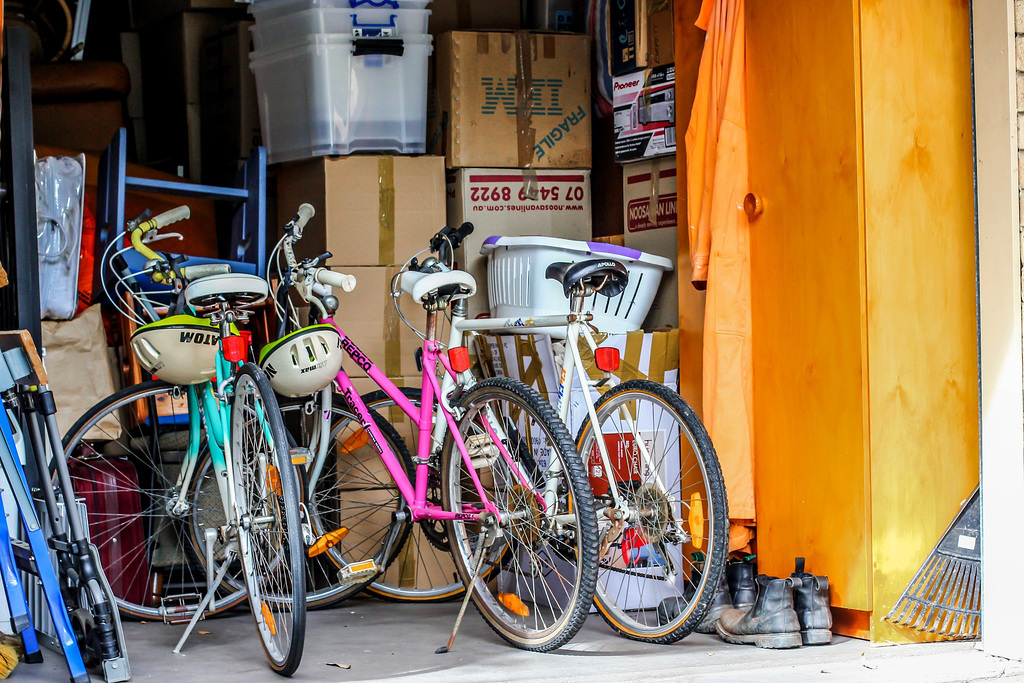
[459, 357]
[607, 358]
[235, 348]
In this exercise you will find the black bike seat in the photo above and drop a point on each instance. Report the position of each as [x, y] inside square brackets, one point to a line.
[605, 276]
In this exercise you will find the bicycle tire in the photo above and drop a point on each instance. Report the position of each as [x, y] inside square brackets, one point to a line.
[629, 590]
[532, 544]
[172, 571]
[429, 581]
[353, 490]
[271, 548]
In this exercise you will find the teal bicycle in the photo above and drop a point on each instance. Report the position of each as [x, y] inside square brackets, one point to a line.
[202, 453]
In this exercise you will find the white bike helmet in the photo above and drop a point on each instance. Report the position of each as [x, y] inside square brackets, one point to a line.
[180, 349]
[303, 362]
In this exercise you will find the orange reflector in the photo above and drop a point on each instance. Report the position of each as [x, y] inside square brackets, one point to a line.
[513, 604]
[235, 348]
[696, 521]
[268, 618]
[459, 357]
[274, 479]
[327, 541]
[357, 440]
[607, 358]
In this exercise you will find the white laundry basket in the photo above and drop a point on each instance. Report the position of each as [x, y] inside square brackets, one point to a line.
[517, 287]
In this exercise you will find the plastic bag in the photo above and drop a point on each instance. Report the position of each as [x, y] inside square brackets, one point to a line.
[60, 196]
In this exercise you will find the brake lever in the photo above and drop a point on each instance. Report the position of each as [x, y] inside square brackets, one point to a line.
[155, 236]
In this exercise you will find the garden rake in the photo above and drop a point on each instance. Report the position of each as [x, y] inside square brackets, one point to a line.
[944, 597]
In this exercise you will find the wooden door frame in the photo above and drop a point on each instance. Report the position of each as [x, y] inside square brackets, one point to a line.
[999, 299]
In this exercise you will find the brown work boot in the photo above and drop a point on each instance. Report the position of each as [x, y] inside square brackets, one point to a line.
[770, 623]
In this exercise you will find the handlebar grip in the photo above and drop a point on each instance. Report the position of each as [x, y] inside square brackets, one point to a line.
[204, 270]
[328, 277]
[302, 216]
[166, 218]
[465, 230]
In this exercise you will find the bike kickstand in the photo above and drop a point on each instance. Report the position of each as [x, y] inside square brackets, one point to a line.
[485, 541]
[207, 599]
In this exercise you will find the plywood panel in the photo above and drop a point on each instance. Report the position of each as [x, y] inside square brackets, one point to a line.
[807, 293]
[921, 317]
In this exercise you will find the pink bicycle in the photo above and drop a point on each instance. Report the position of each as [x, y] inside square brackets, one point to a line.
[496, 474]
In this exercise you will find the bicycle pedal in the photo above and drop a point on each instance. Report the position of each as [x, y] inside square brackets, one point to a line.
[299, 456]
[358, 571]
[179, 609]
[327, 541]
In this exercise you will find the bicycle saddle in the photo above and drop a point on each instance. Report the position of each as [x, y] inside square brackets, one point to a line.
[604, 276]
[238, 289]
[456, 284]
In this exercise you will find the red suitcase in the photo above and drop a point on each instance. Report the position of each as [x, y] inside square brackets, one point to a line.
[110, 489]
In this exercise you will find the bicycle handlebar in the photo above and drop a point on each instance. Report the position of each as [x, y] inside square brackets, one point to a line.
[305, 212]
[328, 277]
[204, 270]
[176, 214]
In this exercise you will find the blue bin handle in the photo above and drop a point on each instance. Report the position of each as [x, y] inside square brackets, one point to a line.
[393, 4]
[392, 24]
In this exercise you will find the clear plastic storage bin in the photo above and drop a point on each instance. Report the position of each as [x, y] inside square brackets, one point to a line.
[322, 98]
[291, 29]
[264, 10]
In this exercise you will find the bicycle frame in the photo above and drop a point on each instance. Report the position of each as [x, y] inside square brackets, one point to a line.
[431, 431]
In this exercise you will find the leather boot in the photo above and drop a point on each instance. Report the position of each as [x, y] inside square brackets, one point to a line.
[770, 623]
[669, 608]
[742, 588]
[811, 600]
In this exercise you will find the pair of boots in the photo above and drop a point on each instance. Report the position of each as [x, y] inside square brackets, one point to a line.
[776, 613]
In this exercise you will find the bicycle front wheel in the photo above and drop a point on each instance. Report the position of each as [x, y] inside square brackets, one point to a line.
[126, 454]
[522, 459]
[661, 566]
[270, 542]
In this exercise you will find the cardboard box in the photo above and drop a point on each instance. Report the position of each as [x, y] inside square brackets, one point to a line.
[645, 113]
[512, 202]
[649, 189]
[454, 15]
[483, 83]
[368, 317]
[370, 210]
[641, 35]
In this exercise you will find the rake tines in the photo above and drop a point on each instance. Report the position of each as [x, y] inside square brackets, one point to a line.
[944, 597]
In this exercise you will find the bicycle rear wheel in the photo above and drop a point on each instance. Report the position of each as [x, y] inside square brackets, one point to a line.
[270, 542]
[347, 487]
[546, 552]
[424, 570]
[151, 557]
[661, 567]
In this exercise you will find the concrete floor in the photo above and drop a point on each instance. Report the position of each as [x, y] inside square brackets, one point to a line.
[386, 641]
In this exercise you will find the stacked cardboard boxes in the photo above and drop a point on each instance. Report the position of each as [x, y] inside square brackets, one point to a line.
[373, 213]
[512, 116]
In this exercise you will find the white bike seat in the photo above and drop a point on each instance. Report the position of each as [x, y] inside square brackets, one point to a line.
[455, 284]
[238, 289]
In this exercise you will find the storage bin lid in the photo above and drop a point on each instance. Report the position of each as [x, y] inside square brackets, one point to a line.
[576, 247]
[334, 39]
